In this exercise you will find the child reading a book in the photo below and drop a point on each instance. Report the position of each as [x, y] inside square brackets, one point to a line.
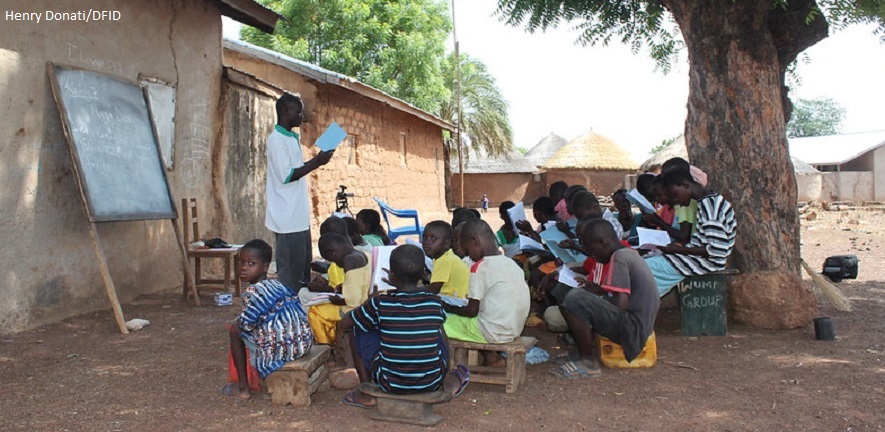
[398, 342]
[354, 290]
[450, 275]
[498, 299]
[272, 326]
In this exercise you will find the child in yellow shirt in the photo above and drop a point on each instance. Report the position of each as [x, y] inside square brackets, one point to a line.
[450, 275]
[324, 318]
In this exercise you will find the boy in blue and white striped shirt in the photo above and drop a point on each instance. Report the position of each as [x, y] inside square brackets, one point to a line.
[710, 244]
[398, 339]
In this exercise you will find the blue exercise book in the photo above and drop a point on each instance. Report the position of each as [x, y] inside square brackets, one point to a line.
[552, 237]
[331, 138]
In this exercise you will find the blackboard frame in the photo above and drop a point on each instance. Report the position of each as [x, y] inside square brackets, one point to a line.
[75, 156]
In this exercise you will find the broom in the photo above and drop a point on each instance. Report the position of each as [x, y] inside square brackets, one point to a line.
[830, 291]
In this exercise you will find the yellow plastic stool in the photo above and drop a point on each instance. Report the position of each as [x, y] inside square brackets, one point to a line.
[612, 355]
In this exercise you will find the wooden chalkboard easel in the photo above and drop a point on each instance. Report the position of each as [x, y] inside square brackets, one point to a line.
[113, 123]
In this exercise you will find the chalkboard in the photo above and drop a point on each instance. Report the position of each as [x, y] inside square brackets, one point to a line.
[114, 146]
[702, 304]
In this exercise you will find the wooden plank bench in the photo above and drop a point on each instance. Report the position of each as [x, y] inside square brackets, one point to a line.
[297, 380]
[511, 375]
[703, 303]
[411, 409]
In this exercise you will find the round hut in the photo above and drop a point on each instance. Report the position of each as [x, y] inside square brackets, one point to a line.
[591, 160]
[545, 149]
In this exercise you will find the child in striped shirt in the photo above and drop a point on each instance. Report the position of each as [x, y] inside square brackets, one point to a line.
[398, 341]
[710, 244]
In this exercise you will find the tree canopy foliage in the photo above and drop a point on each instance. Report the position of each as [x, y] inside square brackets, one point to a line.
[484, 110]
[397, 47]
[815, 117]
[648, 24]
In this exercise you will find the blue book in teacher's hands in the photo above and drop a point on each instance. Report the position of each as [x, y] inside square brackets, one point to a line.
[331, 138]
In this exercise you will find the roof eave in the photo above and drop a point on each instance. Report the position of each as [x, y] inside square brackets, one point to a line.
[249, 12]
[328, 77]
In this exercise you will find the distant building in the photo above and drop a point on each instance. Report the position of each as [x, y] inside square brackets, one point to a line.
[853, 164]
[507, 177]
[394, 151]
[591, 160]
[173, 48]
[545, 149]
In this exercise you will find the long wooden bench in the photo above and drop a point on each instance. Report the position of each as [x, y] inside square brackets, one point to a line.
[297, 380]
[412, 409]
[511, 375]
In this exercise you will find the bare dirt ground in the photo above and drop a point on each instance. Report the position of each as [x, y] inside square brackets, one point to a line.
[82, 375]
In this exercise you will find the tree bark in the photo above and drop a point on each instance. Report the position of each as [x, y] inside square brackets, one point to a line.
[735, 130]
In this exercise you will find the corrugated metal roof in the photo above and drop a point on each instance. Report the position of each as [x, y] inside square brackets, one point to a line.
[326, 76]
[835, 149]
[510, 162]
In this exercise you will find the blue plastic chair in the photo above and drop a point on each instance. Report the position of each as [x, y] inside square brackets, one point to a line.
[393, 233]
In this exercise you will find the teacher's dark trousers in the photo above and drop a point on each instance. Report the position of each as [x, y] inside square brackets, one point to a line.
[293, 254]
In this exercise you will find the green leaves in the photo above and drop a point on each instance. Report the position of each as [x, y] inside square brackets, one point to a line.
[815, 117]
[635, 23]
[397, 47]
[484, 110]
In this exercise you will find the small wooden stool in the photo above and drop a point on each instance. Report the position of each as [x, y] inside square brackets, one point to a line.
[298, 379]
[514, 370]
[414, 409]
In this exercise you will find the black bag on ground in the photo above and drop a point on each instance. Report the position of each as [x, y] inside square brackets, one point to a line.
[838, 267]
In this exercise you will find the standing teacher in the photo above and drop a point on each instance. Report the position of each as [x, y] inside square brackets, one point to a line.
[288, 203]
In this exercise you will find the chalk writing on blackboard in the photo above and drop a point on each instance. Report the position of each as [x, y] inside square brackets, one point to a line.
[112, 140]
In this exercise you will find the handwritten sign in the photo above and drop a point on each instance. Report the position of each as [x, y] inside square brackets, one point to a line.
[703, 303]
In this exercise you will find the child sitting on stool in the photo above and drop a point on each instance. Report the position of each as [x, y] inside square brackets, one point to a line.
[398, 342]
[498, 298]
[273, 326]
[324, 318]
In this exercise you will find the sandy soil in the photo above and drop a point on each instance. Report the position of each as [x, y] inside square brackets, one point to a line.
[82, 375]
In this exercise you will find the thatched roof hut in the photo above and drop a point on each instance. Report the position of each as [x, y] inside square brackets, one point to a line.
[591, 160]
[674, 149]
[545, 149]
[591, 151]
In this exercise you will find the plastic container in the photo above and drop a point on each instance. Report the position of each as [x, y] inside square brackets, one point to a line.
[224, 299]
[612, 355]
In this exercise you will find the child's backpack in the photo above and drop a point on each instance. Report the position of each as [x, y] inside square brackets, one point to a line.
[838, 267]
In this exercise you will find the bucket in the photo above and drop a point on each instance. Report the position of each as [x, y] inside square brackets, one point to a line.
[824, 329]
[224, 299]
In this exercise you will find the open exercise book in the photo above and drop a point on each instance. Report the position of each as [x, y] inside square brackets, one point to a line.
[517, 213]
[552, 237]
[640, 201]
[320, 298]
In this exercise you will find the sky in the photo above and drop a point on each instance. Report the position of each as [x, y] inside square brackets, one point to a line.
[554, 85]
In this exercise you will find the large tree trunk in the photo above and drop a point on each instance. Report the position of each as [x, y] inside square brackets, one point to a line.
[735, 131]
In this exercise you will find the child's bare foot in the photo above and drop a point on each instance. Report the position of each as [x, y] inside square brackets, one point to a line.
[493, 359]
[233, 390]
